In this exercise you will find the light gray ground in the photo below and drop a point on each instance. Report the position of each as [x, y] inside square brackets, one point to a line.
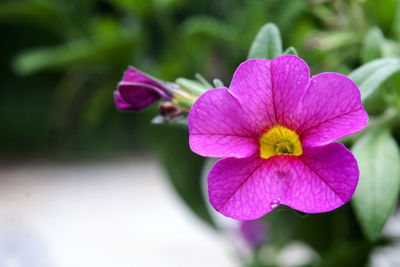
[121, 214]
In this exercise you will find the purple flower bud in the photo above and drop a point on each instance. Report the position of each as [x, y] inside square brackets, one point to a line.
[253, 232]
[137, 91]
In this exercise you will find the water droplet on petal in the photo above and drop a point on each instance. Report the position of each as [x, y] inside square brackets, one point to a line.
[274, 203]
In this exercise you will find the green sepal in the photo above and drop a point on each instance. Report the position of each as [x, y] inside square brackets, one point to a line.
[191, 86]
[184, 104]
[218, 83]
[203, 81]
[290, 51]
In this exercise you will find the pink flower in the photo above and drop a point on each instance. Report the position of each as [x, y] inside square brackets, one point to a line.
[137, 91]
[275, 128]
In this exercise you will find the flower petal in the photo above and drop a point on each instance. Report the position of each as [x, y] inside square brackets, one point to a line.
[322, 179]
[331, 109]
[217, 127]
[139, 96]
[242, 188]
[137, 77]
[290, 77]
[269, 90]
[140, 90]
[254, 232]
[121, 103]
[252, 85]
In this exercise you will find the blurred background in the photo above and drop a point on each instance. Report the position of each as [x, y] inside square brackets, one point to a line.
[83, 184]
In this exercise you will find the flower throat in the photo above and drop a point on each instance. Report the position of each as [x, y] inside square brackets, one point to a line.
[280, 140]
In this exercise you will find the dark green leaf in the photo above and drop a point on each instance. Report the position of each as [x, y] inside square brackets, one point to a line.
[218, 219]
[183, 167]
[267, 44]
[345, 254]
[77, 52]
[207, 25]
[396, 22]
[376, 195]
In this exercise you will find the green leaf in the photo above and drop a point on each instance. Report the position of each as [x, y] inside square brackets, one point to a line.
[209, 26]
[218, 219]
[390, 48]
[290, 51]
[396, 22]
[46, 14]
[370, 76]
[376, 195]
[267, 44]
[183, 168]
[80, 52]
[372, 45]
[218, 83]
[349, 253]
[375, 46]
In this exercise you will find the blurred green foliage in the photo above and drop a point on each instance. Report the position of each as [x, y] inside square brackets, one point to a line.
[377, 193]
[61, 61]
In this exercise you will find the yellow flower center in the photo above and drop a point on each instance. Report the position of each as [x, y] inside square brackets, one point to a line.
[280, 140]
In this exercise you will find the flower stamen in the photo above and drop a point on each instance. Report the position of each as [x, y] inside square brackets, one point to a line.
[280, 140]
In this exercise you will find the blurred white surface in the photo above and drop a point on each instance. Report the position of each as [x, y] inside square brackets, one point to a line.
[110, 214]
